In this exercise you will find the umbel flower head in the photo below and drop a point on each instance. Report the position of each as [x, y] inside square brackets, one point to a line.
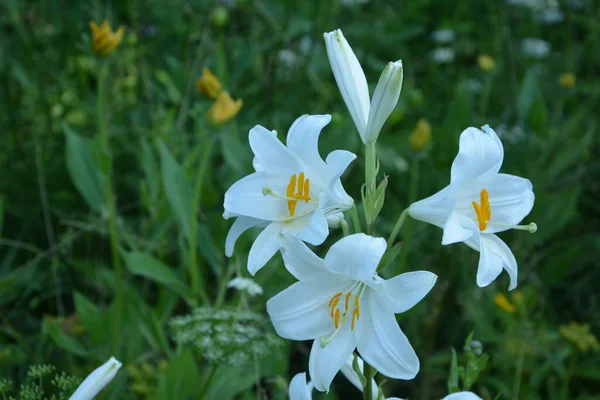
[292, 191]
[480, 202]
[343, 305]
[104, 40]
[368, 115]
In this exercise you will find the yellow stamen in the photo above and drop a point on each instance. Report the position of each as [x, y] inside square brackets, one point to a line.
[356, 312]
[336, 319]
[483, 210]
[348, 298]
[334, 304]
[303, 192]
[338, 294]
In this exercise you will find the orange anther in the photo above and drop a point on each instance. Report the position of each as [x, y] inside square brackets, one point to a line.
[483, 211]
[336, 319]
[348, 298]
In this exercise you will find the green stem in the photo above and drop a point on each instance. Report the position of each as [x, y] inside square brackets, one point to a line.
[370, 183]
[355, 219]
[106, 168]
[397, 228]
[412, 197]
[368, 389]
[211, 375]
[518, 374]
[345, 227]
[194, 276]
[567, 379]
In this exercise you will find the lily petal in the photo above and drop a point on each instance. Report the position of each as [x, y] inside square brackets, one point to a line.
[299, 260]
[338, 161]
[246, 197]
[480, 152]
[462, 396]
[384, 100]
[317, 229]
[264, 247]
[500, 249]
[300, 312]
[356, 256]
[381, 342]
[490, 264]
[458, 228]
[325, 362]
[299, 389]
[97, 380]
[435, 209]
[406, 290]
[241, 225]
[255, 163]
[270, 153]
[350, 79]
[303, 139]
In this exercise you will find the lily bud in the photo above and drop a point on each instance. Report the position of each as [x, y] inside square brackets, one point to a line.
[385, 99]
[97, 380]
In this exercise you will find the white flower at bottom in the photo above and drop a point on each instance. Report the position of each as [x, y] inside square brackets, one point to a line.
[292, 191]
[97, 380]
[462, 396]
[478, 203]
[343, 304]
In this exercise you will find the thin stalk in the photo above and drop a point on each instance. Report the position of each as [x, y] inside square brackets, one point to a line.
[355, 219]
[370, 166]
[412, 197]
[567, 378]
[194, 276]
[518, 374]
[211, 375]
[106, 168]
[368, 389]
[397, 228]
[345, 227]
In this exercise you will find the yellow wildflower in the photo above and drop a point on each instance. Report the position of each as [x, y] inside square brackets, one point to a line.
[104, 40]
[208, 84]
[567, 80]
[420, 136]
[580, 336]
[504, 304]
[486, 62]
[224, 109]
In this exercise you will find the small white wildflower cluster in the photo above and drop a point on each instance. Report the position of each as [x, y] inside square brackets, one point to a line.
[339, 300]
[245, 285]
[443, 54]
[535, 48]
[226, 336]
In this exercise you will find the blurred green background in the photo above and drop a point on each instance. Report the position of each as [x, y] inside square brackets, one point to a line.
[58, 277]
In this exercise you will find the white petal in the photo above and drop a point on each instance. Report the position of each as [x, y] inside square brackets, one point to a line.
[380, 341]
[494, 244]
[241, 225]
[316, 231]
[97, 380]
[337, 198]
[303, 139]
[255, 163]
[348, 371]
[264, 247]
[356, 256]
[490, 264]
[462, 396]
[480, 152]
[511, 199]
[270, 153]
[406, 290]
[350, 78]
[324, 363]
[458, 228]
[384, 100]
[434, 209]
[299, 260]
[299, 389]
[301, 311]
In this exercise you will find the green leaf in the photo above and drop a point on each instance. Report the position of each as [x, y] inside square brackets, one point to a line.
[453, 377]
[52, 328]
[83, 170]
[142, 264]
[151, 171]
[13, 284]
[177, 187]
[181, 379]
[528, 94]
[90, 316]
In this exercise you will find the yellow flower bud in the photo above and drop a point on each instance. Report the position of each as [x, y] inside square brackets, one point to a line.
[420, 136]
[486, 62]
[504, 304]
[208, 84]
[104, 40]
[567, 80]
[224, 109]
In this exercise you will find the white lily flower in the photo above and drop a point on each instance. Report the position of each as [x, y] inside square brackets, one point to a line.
[293, 190]
[343, 304]
[299, 388]
[369, 116]
[97, 380]
[478, 203]
[462, 396]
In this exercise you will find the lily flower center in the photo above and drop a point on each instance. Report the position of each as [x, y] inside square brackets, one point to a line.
[483, 210]
[297, 190]
[342, 305]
